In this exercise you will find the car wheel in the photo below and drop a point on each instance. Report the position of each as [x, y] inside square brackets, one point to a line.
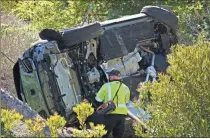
[81, 34]
[162, 15]
[52, 35]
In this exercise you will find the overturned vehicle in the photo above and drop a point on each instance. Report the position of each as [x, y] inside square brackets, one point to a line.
[56, 73]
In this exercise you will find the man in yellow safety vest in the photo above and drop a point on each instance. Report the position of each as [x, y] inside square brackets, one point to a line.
[114, 121]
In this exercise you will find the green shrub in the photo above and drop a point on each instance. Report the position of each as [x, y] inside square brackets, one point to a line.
[36, 127]
[83, 111]
[193, 20]
[181, 106]
[55, 122]
[9, 118]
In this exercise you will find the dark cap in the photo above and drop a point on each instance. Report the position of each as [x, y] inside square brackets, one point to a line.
[114, 72]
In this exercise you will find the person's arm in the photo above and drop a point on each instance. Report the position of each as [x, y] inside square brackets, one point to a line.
[100, 96]
[127, 97]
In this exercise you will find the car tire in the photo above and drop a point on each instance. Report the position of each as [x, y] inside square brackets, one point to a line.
[81, 34]
[52, 35]
[162, 15]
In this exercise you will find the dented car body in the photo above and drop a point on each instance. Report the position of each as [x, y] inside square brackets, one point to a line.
[56, 73]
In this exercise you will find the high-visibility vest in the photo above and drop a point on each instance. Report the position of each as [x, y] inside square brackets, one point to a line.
[108, 91]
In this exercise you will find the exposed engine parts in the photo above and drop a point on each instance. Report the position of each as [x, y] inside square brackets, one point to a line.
[126, 65]
[93, 75]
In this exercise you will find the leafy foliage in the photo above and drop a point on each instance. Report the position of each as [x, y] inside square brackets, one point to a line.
[139, 131]
[36, 126]
[55, 122]
[8, 5]
[181, 106]
[194, 19]
[94, 132]
[83, 111]
[8, 120]
[50, 13]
